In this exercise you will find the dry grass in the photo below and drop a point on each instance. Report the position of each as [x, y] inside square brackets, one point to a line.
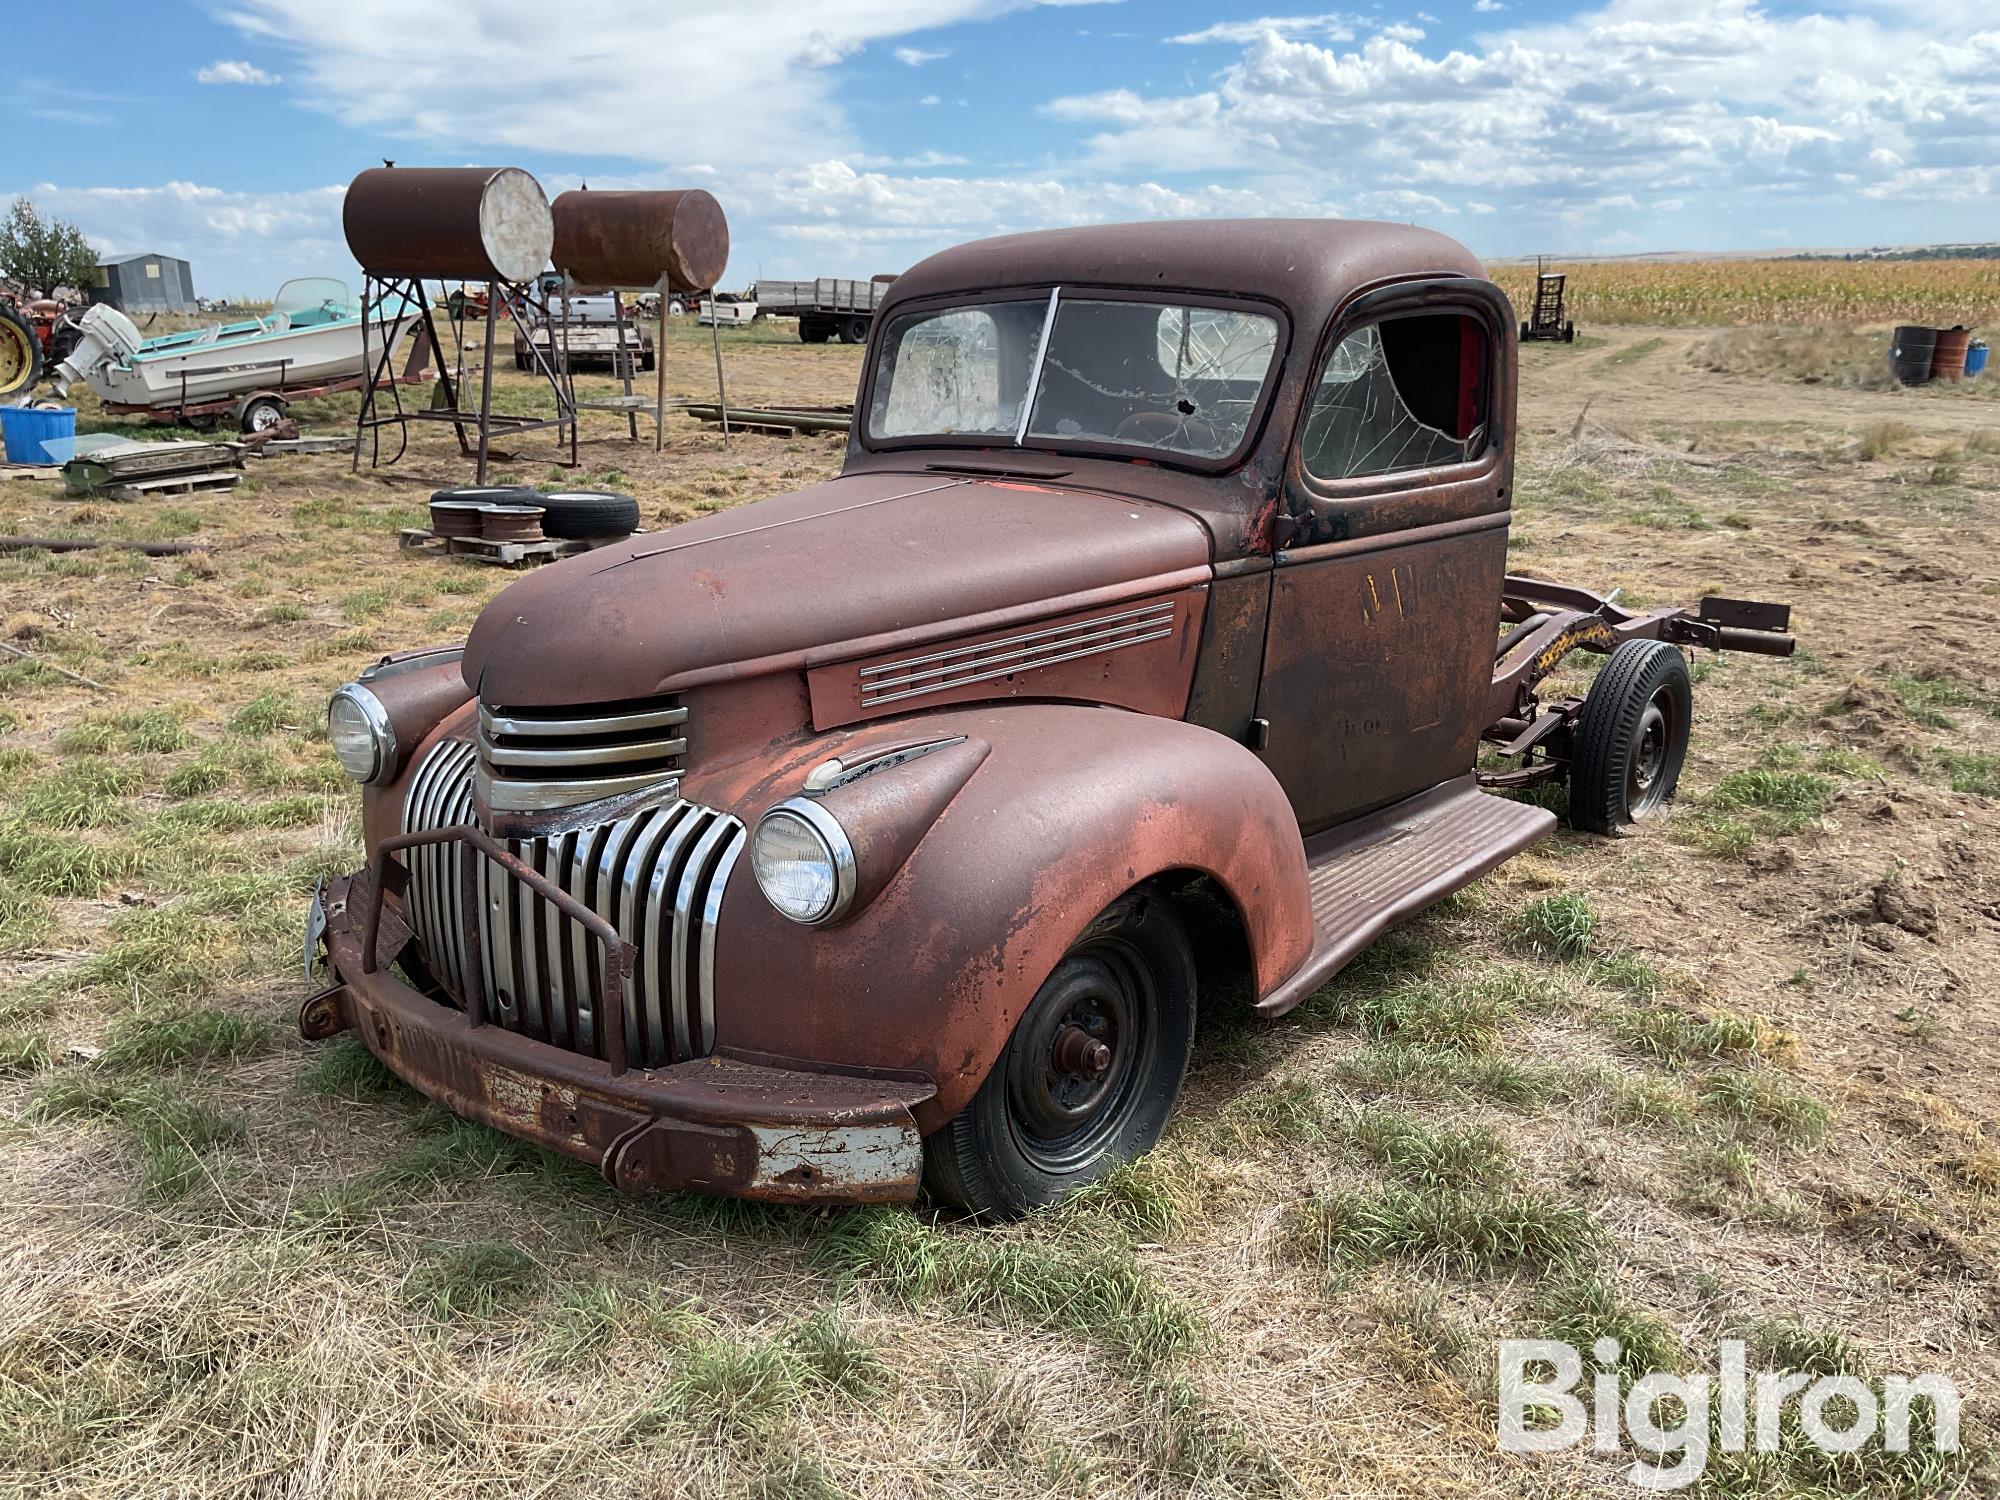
[1657, 1088]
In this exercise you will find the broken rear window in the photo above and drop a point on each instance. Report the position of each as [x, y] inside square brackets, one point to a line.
[1156, 376]
[1406, 394]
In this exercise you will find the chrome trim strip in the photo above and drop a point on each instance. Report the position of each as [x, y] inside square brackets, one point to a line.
[450, 867]
[610, 879]
[1009, 671]
[684, 897]
[1035, 374]
[546, 796]
[528, 929]
[669, 1016]
[555, 938]
[586, 962]
[1163, 607]
[503, 722]
[711, 918]
[583, 755]
[655, 838]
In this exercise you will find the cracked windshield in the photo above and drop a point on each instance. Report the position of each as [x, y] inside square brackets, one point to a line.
[1148, 375]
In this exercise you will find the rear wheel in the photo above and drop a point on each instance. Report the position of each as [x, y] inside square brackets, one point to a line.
[588, 515]
[1089, 1076]
[854, 331]
[20, 353]
[1631, 739]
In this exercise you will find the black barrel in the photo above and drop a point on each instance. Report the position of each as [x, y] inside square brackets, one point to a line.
[1910, 353]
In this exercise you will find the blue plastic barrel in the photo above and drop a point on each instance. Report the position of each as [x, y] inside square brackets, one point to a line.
[1975, 359]
[25, 428]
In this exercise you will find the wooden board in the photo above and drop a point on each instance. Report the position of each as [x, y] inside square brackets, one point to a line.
[501, 554]
[212, 483]
[29, 471]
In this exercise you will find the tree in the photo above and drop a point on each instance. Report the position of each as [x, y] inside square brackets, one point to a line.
[44, 253]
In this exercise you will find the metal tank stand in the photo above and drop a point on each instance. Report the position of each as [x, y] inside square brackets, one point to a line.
[383, 303]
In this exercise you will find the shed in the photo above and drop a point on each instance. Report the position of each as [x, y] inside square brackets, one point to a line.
[145, 283]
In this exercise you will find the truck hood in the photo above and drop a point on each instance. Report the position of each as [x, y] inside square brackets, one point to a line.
[813, 571]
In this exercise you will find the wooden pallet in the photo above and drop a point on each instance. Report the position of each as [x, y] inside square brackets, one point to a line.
[30, 471]
[210, 482]
[500, 554]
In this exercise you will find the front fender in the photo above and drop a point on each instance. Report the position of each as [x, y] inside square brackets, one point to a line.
[1069, 808]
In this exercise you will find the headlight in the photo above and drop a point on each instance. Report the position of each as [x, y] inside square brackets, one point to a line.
[364, 741]
[803, 861]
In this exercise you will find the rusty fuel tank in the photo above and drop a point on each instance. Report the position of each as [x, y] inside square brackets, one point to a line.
[606, 240]
[449, 223]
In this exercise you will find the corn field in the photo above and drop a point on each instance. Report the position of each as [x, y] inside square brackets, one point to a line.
[1726, 292]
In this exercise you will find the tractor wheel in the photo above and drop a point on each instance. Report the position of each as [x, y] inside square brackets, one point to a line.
[1631, 738]
[1089, 1076]
[20, 354]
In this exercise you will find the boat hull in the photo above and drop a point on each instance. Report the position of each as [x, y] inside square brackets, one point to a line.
[234, 367]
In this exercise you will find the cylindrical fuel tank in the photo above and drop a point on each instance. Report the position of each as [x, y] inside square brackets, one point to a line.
[449, 223]
[633, 239]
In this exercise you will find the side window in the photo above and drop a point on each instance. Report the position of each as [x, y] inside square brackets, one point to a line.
[1408, 393]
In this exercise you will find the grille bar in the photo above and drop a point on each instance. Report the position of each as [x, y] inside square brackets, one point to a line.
[539, 760]
[657, 876]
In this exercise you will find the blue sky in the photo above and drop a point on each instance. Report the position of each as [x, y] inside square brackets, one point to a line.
[847, 137]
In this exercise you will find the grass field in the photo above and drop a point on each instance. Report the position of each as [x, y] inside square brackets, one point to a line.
[1734, 1077]
[1706, 293]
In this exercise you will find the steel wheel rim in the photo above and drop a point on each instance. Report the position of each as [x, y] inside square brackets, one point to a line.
[1061, 1118]
[16, 356]
[264, 416]
[1652, 743]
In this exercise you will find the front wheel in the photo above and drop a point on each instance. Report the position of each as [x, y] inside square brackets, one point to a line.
[1089, 1076]
[1630, 738]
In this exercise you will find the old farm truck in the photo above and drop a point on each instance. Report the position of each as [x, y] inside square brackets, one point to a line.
[828, 848]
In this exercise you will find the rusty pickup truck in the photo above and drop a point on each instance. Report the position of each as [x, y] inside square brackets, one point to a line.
[828, 849]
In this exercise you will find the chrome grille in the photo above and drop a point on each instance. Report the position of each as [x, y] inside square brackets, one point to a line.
[656, 876]
[982, 662]
[541, 759]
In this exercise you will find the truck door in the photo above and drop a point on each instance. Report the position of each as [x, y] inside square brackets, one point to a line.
[1385, 603]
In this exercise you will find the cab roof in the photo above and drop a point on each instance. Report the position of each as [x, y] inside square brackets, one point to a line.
[1310, 266]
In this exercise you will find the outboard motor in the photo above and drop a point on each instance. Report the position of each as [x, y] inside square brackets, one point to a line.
[105, 336]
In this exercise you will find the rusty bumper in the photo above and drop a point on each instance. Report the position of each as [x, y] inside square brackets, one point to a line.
[714, 1125]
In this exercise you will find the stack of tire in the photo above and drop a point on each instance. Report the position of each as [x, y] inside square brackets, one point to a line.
[566, 515]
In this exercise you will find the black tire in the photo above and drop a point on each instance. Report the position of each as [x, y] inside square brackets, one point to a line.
[1039, 1128]
[647, 360]
[812, 331]
[588, 515]
[854, 331]
[260, 413]
[1630, 739]
[1569, 333]
[1524, 333]
[490, 494]
[201, 421]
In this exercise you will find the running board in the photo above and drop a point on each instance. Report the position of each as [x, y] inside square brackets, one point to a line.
[1379, 869]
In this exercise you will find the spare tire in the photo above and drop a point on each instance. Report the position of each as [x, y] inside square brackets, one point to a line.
[490, 494]
[588, 515]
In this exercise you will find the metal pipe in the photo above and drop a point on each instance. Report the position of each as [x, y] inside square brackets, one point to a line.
[83, 544]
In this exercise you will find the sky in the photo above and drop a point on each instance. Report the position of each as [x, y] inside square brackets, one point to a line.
[851, 137]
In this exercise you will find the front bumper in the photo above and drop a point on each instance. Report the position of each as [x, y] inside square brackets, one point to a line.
[714, 1125]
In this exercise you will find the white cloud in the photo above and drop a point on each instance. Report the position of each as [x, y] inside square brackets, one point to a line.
[916, 57]
[1334, 26]
[1487, 7]
[230, 70]
[930, 99]
[592, 85]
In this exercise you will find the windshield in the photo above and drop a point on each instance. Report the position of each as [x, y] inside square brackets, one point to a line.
[312, 294]
[1076, 368]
